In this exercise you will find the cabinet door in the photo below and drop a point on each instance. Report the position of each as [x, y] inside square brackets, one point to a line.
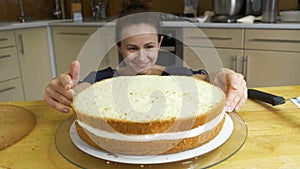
[275, 40]
[7, 39]
[268, 68]
[229, 58]
[111, 58]
[33, 51]
[9, 64]
[213, 37]
[11, 90]
[68, 42]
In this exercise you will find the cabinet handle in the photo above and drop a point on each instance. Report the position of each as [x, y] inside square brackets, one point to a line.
[3, 39]
[211, 38]
[6, 89]
[234, 62]
[275, 40]
[21, 44]
[4, 56]
[75, 34]
[245, 66]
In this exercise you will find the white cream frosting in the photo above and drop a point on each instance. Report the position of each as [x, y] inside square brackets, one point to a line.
[155, 137]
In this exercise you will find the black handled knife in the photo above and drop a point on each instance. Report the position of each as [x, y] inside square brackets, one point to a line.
[265, 97]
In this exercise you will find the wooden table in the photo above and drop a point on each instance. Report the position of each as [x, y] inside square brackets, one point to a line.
[273, 137]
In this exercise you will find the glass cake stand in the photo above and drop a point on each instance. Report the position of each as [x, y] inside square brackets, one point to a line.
[81, 159]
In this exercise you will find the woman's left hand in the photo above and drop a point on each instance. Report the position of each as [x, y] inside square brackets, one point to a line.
[234, 87]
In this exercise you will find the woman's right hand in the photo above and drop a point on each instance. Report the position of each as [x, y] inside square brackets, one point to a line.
[59, 92]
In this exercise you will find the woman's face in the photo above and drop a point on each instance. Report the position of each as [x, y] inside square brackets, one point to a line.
[139, 47]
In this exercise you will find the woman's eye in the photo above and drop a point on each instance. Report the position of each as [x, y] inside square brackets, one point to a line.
[132, 49]
[149, 47]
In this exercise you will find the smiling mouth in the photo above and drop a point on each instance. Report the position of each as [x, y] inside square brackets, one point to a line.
[142, 68]
[141, 65]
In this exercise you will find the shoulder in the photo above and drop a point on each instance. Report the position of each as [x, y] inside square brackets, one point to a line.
[157, 70]
[182, 71]
[99, 75]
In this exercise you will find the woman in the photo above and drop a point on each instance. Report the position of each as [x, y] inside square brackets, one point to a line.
[138, 42]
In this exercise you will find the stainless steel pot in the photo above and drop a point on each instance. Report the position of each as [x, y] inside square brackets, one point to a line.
[227, 7]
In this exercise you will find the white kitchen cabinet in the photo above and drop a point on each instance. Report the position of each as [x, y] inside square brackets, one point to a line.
[11, 88]
[271, 68]
[214, 37]
[33, 52]
[273, 39]
[69, 41]
[217, 47]
[229, 58]
[266, 57]
[9, 63]
[272, 57]
[7, 39]
[111, 58]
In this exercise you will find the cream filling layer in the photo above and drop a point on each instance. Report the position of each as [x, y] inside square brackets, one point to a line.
[155, 137]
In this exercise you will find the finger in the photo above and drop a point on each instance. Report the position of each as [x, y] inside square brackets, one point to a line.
[74, 72]
[65, 98]
[230, 100]
[68, 80]
[64, 81]
[55, 90]
[53, 103]
[60, 94]
[236, 98]
[242, 100]
[233, 95]
[234, 80]
[234, 102]
[64, 92]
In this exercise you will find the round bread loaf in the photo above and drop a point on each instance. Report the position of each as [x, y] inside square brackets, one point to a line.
[15, 123]
[149, 114]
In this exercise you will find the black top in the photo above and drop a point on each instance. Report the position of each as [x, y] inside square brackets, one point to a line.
[170, 70]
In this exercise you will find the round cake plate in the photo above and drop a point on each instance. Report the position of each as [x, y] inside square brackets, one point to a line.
[72, 153]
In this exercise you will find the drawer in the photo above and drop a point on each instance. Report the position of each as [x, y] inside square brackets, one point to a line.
[220, 57]
[9, 64]
[213, 37]
[11, 91]
[7, 39]
[278, 40]
[74, 32]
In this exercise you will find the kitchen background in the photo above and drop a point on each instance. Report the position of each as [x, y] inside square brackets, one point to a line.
[43, 9]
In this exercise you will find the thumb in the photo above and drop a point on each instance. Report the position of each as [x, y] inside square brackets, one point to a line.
[74, 72]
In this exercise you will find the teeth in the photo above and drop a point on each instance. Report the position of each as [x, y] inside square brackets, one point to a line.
[141, 65]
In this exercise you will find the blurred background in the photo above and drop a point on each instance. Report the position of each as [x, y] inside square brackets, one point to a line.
[44, 9]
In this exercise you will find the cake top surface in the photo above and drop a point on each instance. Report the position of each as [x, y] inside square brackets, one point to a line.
[145, 98]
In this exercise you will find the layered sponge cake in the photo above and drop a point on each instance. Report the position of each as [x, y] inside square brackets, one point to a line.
[149, 114]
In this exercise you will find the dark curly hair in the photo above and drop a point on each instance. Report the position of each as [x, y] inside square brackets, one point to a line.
[133, 7]
[136, 12]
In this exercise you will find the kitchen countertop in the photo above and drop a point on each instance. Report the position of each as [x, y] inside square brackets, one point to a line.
[69, 22]
[273, 137]
[31, 24]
